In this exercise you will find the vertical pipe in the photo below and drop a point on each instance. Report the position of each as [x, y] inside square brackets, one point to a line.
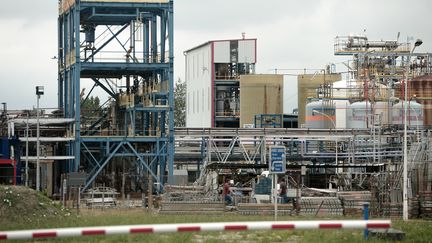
[77, 76]
[37, 147]
[275, 195]
[147, 42]
[59, 62]
[154, 40]
[171, 92]
[26, 163]
[132, 40]
[154, 123]
[162, 37]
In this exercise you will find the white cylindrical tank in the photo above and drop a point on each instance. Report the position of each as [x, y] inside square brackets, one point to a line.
[414, 117]
[320, 114]
[358, 114]
[382, 109]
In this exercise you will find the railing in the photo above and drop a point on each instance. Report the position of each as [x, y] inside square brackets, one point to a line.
[123, 57]
[227, 77]
[228, 114]
[359, 44]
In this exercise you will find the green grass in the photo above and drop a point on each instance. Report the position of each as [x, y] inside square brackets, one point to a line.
[416, 230]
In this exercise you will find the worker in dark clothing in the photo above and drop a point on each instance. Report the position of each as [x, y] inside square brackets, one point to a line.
[283, 191]
[226, 193]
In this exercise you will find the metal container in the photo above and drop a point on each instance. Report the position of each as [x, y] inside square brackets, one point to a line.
[320, 114]
[414, 116]
[358, 115]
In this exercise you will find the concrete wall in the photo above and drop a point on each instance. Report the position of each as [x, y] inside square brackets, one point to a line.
[198, 82]
[260, 94]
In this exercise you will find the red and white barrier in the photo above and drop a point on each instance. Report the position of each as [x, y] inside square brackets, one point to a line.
[194, 227]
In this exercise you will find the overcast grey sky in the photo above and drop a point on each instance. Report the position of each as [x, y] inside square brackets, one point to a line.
[291, 34]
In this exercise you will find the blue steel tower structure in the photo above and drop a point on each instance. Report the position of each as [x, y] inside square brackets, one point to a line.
[125, 48]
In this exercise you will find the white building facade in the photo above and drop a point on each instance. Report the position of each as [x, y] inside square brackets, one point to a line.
[213, 72]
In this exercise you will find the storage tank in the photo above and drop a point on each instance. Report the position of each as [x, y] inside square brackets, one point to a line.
[341, 109]
[320, 114]
[382, 109]
[221, 94]
[415, 113]
[358, 114]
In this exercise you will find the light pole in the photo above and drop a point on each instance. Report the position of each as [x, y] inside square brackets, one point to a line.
[334, 125]
[405, 141]
[39, 92]
[26, 163]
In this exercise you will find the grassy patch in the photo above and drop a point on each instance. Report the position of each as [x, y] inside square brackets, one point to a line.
[22, 208]
[417, 231]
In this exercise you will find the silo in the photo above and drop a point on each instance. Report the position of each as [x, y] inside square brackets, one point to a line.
[358, 114]
[320, 114]
[414, 117]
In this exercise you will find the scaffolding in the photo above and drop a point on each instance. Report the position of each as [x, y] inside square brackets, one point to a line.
[126, 49]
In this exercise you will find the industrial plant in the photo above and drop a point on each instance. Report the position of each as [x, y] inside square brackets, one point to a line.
[360, 134]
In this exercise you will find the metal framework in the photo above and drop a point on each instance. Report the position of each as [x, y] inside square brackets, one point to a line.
[126, 48]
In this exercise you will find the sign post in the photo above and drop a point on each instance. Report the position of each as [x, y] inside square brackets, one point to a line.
[277, 165]
[77, 179]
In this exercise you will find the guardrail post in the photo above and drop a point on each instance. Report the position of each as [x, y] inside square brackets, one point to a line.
[366, 217]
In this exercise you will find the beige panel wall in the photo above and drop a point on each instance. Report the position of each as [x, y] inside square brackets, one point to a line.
[307, 85]
[260, 94]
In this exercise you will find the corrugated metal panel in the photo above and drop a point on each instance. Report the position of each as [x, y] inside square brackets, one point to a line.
[198, 82]
[260, 94]
[246, 52]
[222, 52]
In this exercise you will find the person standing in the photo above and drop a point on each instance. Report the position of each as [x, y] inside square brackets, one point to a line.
[226, 193]
[283, 191]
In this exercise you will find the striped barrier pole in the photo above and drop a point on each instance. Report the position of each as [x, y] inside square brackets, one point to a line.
[194, 227]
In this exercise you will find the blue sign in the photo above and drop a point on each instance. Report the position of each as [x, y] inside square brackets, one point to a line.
[277, 160]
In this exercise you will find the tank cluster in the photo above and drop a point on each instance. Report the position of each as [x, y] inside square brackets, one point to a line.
[322, 114]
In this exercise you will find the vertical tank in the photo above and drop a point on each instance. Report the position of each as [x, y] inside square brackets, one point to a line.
[221, 95]
[414, 117]
[358, 114]
[382, 109]
[320, 114]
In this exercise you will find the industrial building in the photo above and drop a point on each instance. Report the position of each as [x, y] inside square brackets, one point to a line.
[366, 130]
[222, 84]
[213, 72]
